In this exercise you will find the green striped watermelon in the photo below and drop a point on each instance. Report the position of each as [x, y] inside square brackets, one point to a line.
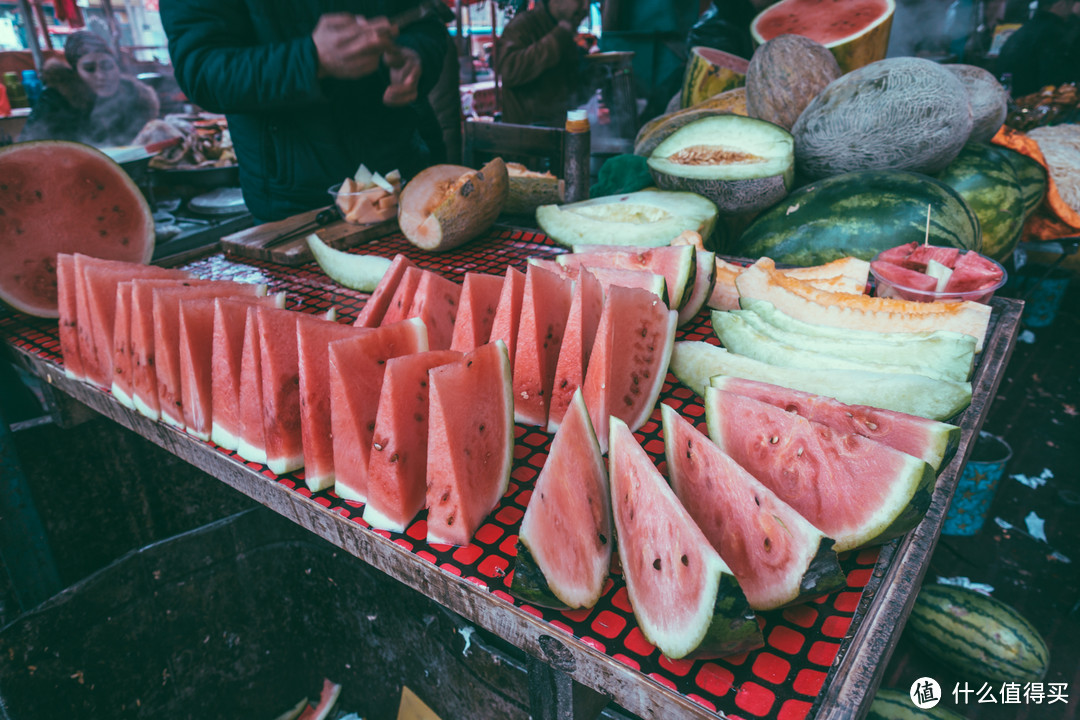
[859, 214]
[976, 635]
[984, 177]
[1030, 175]
[890, 704]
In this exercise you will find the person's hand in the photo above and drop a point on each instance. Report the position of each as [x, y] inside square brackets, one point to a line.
[350, 46]
[404, 64]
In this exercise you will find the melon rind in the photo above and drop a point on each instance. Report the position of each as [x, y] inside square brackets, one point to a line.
[646, 218]
[356, 272]
[704, 281]
[437, 224]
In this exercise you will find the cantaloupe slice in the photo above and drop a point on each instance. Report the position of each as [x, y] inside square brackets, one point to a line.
[845, 275]
[448, 205]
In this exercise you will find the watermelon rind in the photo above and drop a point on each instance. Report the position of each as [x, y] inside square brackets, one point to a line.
[977, 635]
[357, 272]
[717, 619]
[894, 704]
[529, 582]
[695, 362]
[704, 281]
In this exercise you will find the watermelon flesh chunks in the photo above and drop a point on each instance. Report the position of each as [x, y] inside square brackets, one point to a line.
[436, 303]
[479, 300]
[777, 556]
[371, 315]
[629, 359]
[357, 365]
[929, 440]
[904, 277]
[857, 491]
[586, 307]
[565, 541]
[470, 442]
[974, 272]
[69, 324]
[505, 325]
[397, 470]
[280, 368]
[545, 306]
[313, 338]
[921, 256]
[685, 598]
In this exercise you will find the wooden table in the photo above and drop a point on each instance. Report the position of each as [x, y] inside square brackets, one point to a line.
[823, 659]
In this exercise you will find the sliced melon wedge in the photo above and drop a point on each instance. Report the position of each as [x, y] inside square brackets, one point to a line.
[448, 205]
[675, 263]
[356, 272]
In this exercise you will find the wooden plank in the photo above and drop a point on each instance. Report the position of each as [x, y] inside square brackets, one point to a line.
[262, 242]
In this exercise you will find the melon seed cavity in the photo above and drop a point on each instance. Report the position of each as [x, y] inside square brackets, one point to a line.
[712, 155]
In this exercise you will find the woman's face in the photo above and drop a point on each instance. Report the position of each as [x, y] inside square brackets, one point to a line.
[100, 72]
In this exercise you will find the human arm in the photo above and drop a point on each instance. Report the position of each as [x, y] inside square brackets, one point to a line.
[520, 60]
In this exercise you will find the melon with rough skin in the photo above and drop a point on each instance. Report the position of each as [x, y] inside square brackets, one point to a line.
[446, 206]
[64, 197]
[528, 190]
[855, 31]
[785, 74]
[989, 100]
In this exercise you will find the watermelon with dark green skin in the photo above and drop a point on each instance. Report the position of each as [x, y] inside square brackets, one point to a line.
[855, 490]
[890, 704]
[777, 556]
[859, 214]
[1030, 175]
[685, 598]
[977, 635]
[566, 538]
[984, 177]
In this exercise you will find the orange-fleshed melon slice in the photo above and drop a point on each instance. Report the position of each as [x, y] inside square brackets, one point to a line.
[545, 306]
[480, 295]
[580, 334]
[357, 366]
[375, 308]
[470, 442]
[397, 470]
[505, 325]
[445, 206]
[845, 275]
[436, 303]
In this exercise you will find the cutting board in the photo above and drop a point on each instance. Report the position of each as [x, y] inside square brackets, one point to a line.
[259, 242]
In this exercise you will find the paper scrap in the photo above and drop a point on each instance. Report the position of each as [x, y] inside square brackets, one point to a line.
[1026, 337]
[1035, 526]
[1003, 524]
[1034, 482]
[466, 632]
[961, 581]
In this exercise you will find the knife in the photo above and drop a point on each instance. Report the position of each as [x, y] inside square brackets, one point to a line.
[325, 217]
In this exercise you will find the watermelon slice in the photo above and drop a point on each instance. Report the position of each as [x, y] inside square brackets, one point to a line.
[251, 439]
[974, 272]
[508, 313]
[357, 365]
[121, 385]
[565, 541]
[397, 469]
[479, 301]
[66, 309]
[777, 556]
[929, 440]
[857, 491]
[585, 310]
[704, 280]
[371, 315]
[607, 276]
[436, 303]
[921, 256]
[280, 368]
[685, 598]
[401, 302]
[230, 321]
[675, 263]
[545, 306]
[899, 255]
[902, 277]
[313, 338]
[629, 359]
[470, 442]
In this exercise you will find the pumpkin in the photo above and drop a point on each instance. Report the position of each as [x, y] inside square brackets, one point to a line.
[989, 100]
[447, 205]
[785, 74]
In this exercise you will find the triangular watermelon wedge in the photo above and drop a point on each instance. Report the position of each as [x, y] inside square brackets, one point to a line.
[251, 438]
[508, 313]
[436, 303]
[675, 263]
[685, 598]
[545, 306]
[69, 321]
[397, 470]
[226, 361]
[479, 300]
[565, 541]
[280, 368]
[470, 442]
[704, 280]
[777, 556]
[401, 302]
[608, 276]
[357, 367]
[585, 310]
[371, 315]
[857, 491]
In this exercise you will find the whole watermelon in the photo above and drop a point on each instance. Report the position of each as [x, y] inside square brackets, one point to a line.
[1032, 178]
[984, 177]
[859, 214]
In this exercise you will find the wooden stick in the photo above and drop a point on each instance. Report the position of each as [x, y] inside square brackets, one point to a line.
[926, 240]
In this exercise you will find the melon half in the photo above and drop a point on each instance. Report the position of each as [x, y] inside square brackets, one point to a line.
[856, 31]
[448, 205]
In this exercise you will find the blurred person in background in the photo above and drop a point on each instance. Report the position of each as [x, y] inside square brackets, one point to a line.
[311, 89]
[86, 99]
[1045, 50]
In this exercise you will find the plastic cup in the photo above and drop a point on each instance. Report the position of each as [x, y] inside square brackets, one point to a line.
[978, 482]
[886, 289]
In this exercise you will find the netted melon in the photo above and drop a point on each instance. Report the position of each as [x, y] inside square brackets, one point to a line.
[647, 218]
[448, 205]
[529, 190]
[898, 114]
[785, 74]
[989, 100]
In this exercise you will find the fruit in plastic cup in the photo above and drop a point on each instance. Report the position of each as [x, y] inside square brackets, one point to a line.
[889, 289]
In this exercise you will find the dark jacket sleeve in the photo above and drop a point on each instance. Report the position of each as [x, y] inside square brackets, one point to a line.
[220, 66]
[429, 39]
[523, 58]
[51, 119]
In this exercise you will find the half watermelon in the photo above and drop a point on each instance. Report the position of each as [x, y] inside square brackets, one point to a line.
[565, 541]
[685, 598]
[777, 556]
[857, 491]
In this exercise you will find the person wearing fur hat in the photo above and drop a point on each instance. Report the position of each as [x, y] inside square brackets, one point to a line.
[87, 100]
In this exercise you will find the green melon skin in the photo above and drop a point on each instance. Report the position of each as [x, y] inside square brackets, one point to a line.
[529, 583]
[734, 627]
[891, 704]
[984, 177]
[1030, 175]
[859, 214]
[977, 636]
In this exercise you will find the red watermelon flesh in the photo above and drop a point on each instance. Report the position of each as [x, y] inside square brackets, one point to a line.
[479, 301]
[357, 365]
[973, 272]
[397, 470]
[607, 276]
[470, 442]
[676, 581]
[227, 361]
[313, 337]
[280, 367]
[567, 528]
[776, 555]
[704, 281]
[675, 263]
[121, 386]
[251, 438]
[899, 255]
[545, 306]
[436, 303]
[855, 490]
[371, 315]
[64, 197]
[921, 256]
[903, 278]
[508, 313]
[166, 342]
[929, 440]
[69, 323]
[823, 22]
[577, 343]
[401, 301]
[629, 359]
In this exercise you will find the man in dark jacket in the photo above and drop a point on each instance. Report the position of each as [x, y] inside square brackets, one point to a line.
[311, 88]
[1043, 51]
